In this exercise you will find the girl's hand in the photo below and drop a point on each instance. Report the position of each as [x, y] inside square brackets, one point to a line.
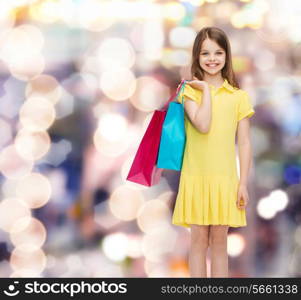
[198, 84]
[242, 197]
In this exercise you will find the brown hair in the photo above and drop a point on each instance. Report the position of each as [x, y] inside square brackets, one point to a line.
[219, 36]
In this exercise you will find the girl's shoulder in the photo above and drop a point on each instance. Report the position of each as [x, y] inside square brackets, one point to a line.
[240, 93]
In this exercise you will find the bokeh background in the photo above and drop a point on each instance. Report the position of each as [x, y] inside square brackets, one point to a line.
[79, 81]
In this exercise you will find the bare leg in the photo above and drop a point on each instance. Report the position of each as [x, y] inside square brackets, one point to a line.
[218, 248]
[198, 249]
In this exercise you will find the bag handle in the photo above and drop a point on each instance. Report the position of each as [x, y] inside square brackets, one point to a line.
[174, 96]
[182, 89]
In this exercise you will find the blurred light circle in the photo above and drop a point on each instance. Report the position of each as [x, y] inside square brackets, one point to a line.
[26, 37]
[11, 210]
[37, 114]
[118, 83]
[5, 132]
[114, 53]
[238, 19]
[34, 260]
[9, 188]
[115, 246]
[29, 62]
[266, 208]
[153, 214]
[25, 68]
[235, 244]
[179, 58]
[44, 86]
[112, 126]
[35, 36]
[224, 11]
[173, 11]
[13, 165]
[28, 232]
[182, 37]
[279, 199]
[92, 15]
[158, 243]
[46, 11]
[34, 190]
[32, 145]
[125, 203]
[110, 148]
[149, 95]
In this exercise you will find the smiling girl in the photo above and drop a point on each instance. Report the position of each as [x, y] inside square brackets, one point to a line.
[211, 197]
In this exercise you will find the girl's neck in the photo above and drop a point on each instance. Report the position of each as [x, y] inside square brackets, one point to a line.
[215, 80]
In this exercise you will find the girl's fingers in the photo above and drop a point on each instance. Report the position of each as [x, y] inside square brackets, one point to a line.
[241, 203]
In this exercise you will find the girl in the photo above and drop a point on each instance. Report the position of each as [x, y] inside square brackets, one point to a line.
[211, 198]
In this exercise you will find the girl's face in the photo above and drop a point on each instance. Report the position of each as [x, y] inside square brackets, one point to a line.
[212, 57]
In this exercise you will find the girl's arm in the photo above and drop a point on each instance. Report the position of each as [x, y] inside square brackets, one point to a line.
[200, 115]
[245, 155]
[245, 150]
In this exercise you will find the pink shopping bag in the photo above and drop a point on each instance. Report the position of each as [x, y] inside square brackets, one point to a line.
[144, 170]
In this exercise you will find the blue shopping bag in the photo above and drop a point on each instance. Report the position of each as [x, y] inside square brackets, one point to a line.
[173, 136]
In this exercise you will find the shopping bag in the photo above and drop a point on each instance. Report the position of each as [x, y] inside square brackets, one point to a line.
[173, 137]
[144, 170]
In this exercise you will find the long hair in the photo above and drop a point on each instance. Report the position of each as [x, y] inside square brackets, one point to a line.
[219, 36]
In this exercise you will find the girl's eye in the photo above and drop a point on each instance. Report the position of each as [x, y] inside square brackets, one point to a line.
[205, 53]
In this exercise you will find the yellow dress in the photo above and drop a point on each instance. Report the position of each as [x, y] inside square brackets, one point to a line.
[209, 179]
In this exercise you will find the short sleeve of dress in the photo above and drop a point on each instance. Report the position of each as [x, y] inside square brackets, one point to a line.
[245, 108]
[188, 93]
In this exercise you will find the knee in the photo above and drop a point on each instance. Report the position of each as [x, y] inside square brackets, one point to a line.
[200, 240]
[218, 240]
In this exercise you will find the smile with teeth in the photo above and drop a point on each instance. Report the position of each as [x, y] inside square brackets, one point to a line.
[212, 65]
